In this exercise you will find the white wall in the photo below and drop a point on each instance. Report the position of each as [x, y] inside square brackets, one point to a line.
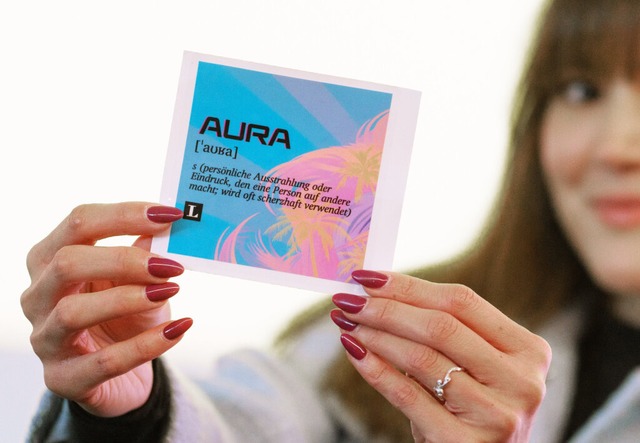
[86, 100]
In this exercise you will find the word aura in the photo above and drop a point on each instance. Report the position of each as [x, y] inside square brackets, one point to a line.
[246, 132]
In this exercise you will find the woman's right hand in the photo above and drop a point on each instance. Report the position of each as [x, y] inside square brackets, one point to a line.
[100, 314]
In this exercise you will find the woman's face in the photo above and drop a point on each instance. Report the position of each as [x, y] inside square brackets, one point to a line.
[590, 153]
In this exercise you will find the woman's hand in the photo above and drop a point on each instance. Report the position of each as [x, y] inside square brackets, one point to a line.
[99, 314]
[406, 337]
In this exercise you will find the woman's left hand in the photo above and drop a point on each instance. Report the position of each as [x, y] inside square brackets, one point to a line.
[406, 337]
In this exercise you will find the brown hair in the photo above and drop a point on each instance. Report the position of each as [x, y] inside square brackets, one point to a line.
[522, 262]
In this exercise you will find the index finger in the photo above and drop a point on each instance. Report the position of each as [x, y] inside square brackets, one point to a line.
[457, 300]
[86, 224]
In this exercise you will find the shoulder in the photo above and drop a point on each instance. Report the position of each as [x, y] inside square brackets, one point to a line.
[562, 332]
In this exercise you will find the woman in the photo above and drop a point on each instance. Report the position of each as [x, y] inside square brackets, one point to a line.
[561, 255]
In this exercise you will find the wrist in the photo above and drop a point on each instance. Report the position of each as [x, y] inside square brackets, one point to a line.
[148, 420]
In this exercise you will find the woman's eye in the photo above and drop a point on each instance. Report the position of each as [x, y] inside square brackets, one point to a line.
[580, 92]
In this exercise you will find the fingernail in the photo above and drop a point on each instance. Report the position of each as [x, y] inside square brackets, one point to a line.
[370, 279]
[349, 303]
[161, 292]
[353, 347]
[164, 268]
[164, 214]
[177, 328]
[341, 321]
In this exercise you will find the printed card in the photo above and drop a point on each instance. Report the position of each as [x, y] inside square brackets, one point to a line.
[286, 177]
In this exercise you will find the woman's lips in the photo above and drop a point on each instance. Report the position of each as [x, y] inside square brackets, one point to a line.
[618, 212]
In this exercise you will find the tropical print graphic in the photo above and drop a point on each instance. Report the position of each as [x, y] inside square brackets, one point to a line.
[304, 208]
[317, 244]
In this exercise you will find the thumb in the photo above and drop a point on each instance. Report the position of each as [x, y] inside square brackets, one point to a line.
[143, 242]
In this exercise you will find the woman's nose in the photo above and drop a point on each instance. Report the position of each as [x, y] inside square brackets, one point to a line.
[620, 143]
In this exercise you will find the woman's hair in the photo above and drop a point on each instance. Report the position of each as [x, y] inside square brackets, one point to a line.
[522, 262]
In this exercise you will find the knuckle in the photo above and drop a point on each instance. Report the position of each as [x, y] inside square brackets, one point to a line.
[144, 350]
[123, 215]
[440, 326]
[36, 341]
[64, 314]
[77, 218]
[535, 392]
[34, 258]
[25, 302]
[373, 338]
[537, 351]
[505, 423]
[511, 422]
[385, 311]
[463, 298]
[530, 391]
[378, 376]
[420, 359]
[408, 287]
[63, 263]
[542, 350]
[124, 259]
[406, 395]
[402, 395]
[539, 398]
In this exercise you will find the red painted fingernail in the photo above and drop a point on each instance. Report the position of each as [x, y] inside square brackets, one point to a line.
[163, 214]
[353, 347]
[343, 322]
[164, 268]
[370, 279]
[177, 328]
[349, 303]
[161, 292]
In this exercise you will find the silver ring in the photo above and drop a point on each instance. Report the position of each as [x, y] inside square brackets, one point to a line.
[438, 389]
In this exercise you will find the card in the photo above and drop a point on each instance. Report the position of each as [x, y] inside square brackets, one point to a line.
[286, 177]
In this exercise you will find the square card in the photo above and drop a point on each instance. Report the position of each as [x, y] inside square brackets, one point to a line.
[286, 177]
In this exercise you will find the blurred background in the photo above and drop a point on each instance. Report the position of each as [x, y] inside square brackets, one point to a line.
[86, 99]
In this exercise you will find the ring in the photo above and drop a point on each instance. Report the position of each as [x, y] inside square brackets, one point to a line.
[438, 389]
